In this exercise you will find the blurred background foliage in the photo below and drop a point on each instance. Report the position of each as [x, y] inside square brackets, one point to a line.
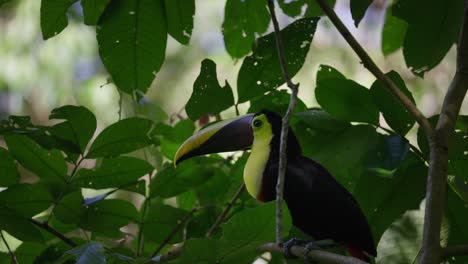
[37, 76]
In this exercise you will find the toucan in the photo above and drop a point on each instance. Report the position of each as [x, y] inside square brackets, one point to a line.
[319, 205]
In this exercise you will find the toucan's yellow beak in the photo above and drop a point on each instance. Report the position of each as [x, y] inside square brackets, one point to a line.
[230, 135]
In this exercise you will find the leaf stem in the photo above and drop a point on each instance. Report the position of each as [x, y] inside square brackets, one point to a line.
[285, 124]
[57, 234]
[226, 210]
[14, 260]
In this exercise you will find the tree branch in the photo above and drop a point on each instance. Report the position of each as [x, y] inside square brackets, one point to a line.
[375, 70]
[174, 231]
[14, 260]
[436, 189]
[225, 211]
[460, 250]
[54, 232]
[285, 124]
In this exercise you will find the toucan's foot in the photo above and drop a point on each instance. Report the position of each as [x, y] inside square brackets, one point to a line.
[308, 246]
[289, 244]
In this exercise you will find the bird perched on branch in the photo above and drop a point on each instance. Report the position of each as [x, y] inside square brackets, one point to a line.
[319, 205]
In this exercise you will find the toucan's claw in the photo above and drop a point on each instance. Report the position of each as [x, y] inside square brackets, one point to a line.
[308, 245]
[290, 243]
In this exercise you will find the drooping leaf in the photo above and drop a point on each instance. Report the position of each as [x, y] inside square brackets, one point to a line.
[346, 100]
[108, 216]
[242, 21]
[261, 72]
[88, 254]
[431, 33]
[189, 174]
[70, 209]
[179, 19]
[92, 10]
[358, 9]
[328, 72]
[159, 222]
[48, 165]
[9, 175]
[26, 199]
[113, 173]
[208, 97]
[79, 126]
[54, 16]
[393, 34]
[391, 196]
[392, 110]
[121, 137]
[132, 38]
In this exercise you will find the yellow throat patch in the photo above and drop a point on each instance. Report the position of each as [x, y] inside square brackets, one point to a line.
[255, 166]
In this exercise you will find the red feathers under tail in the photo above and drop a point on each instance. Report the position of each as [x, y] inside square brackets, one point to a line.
[357, 253]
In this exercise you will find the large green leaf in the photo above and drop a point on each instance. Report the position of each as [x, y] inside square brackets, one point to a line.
[433, 27]
[277, 101]
[26, 199]
[88, 254]
[294, 8]
[70, 209]
[393, 34]
[79, 126]
[18, 226]
[208, 97]
[48, 165]
[121, 137]
[242, 21]
[391, 196]
[9, 174]
[261, 72]
[160, 220]
[179, 19]
[172, 137]
[358, 9]
[346, 100]
[189, 174]
[92, 10]
[392, 109]
[195, 251]
[328, 72]
[54, 16]
[132, 38]
[113, 173]
[108, 216]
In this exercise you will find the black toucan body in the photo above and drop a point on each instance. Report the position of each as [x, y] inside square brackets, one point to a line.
[319, 205]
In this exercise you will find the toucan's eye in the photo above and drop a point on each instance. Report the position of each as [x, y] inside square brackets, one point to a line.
[257, 123]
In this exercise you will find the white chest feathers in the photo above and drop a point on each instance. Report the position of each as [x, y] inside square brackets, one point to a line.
[255, 165]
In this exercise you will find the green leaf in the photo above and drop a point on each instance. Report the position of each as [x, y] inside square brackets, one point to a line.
[393, 34]
[121, 137]
[172, 137]
[396, 116]
[318, 119]
[88, 254]
[26, 199]
[132, 38]
[28, 251]
[457, 216]
[261, 72]
[242, 21]
[346, 100]
[195, 251]
[179, 19]
[92, 10]
[159, 222]
[70, 209]
[358, 9]
[18, 226]
[328, 72]
[208, 97]
[388, 154]
[276, 100]
[189, 174]
[458, 179]
[108, 216]
[293, 8]
[113, 173]
[433, 27]
[54, 16]
[9, 174]
[48, 165]
[392, 196]
[79, 126]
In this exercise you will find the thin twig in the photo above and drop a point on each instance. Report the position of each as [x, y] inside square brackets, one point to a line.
[285, 124]
[436, 189]
[14, 260]
[174, 231]
[375, 70]
[314, 255]
[460, 250]
[54, 232]
[225, 211]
